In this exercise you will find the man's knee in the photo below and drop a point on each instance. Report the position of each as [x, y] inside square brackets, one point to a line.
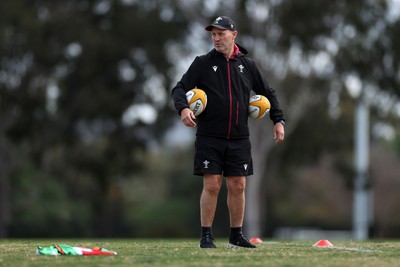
[236, 184]
[212, 183]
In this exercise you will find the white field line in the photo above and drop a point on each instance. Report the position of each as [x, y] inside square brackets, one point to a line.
[357, 249]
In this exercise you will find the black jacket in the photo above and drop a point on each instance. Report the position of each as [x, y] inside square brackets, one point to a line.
[228, 84]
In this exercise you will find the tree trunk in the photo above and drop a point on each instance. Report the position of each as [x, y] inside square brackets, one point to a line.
[4, 192]
[262, 140]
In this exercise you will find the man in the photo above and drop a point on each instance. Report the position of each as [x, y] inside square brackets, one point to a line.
[223, 146]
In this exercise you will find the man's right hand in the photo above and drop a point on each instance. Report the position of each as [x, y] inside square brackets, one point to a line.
[188, 117]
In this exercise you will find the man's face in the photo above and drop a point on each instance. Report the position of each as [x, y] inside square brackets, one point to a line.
[223, 40]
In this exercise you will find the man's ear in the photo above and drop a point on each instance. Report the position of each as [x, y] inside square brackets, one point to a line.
[234, 33]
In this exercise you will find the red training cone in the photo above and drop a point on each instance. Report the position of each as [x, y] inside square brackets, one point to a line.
[255, 240]
[323, 243]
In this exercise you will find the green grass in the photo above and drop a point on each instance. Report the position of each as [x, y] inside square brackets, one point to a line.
[171, 252]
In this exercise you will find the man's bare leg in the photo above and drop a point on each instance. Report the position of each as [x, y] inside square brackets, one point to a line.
[236, 203]
[208, 204]
[236, 199]
[209, 198]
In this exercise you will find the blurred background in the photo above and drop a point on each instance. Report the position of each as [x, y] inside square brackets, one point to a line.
[91, 146]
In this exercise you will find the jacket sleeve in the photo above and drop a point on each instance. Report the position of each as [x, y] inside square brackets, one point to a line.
[261, 87]
[188, 81]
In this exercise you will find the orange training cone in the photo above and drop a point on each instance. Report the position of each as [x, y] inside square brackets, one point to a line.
[323, 243]
[255, 240]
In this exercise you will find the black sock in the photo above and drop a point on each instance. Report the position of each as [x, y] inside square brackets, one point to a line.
[236, 231]
[206, 231]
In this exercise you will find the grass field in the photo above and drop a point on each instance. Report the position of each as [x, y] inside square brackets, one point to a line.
[171, 252]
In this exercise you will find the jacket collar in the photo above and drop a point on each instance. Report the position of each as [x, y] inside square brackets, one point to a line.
[235, 51]
[238, 51]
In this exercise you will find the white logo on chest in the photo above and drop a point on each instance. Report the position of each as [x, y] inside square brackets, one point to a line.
[215, 68]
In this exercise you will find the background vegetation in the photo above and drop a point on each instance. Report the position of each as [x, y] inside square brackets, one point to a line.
[90, 145]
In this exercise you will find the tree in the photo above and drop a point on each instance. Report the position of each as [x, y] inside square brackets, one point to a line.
[84, 105]
[311, 53]
[79, 89]
[325, 45]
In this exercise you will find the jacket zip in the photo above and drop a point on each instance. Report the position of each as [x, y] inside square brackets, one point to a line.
[230, 100]
[237, 112]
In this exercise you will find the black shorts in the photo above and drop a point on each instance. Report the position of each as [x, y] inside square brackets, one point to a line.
[221, 156]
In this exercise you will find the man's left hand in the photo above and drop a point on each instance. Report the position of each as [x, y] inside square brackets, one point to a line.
[279, 133]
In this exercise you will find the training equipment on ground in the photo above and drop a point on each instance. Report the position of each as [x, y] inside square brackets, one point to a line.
[323, 243]
[255, 240]
[197, 100]
[62, 249]
[259, 106]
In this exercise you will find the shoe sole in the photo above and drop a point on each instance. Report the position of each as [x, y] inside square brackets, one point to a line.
[214, 246]
[235, 246]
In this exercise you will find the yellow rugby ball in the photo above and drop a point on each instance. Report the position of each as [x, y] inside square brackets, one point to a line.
[197, 100]
[259, 106]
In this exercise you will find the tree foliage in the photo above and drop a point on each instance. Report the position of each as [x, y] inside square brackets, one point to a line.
[71, 71]
[84, 109]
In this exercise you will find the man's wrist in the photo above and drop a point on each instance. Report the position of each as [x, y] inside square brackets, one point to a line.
[281, 122]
